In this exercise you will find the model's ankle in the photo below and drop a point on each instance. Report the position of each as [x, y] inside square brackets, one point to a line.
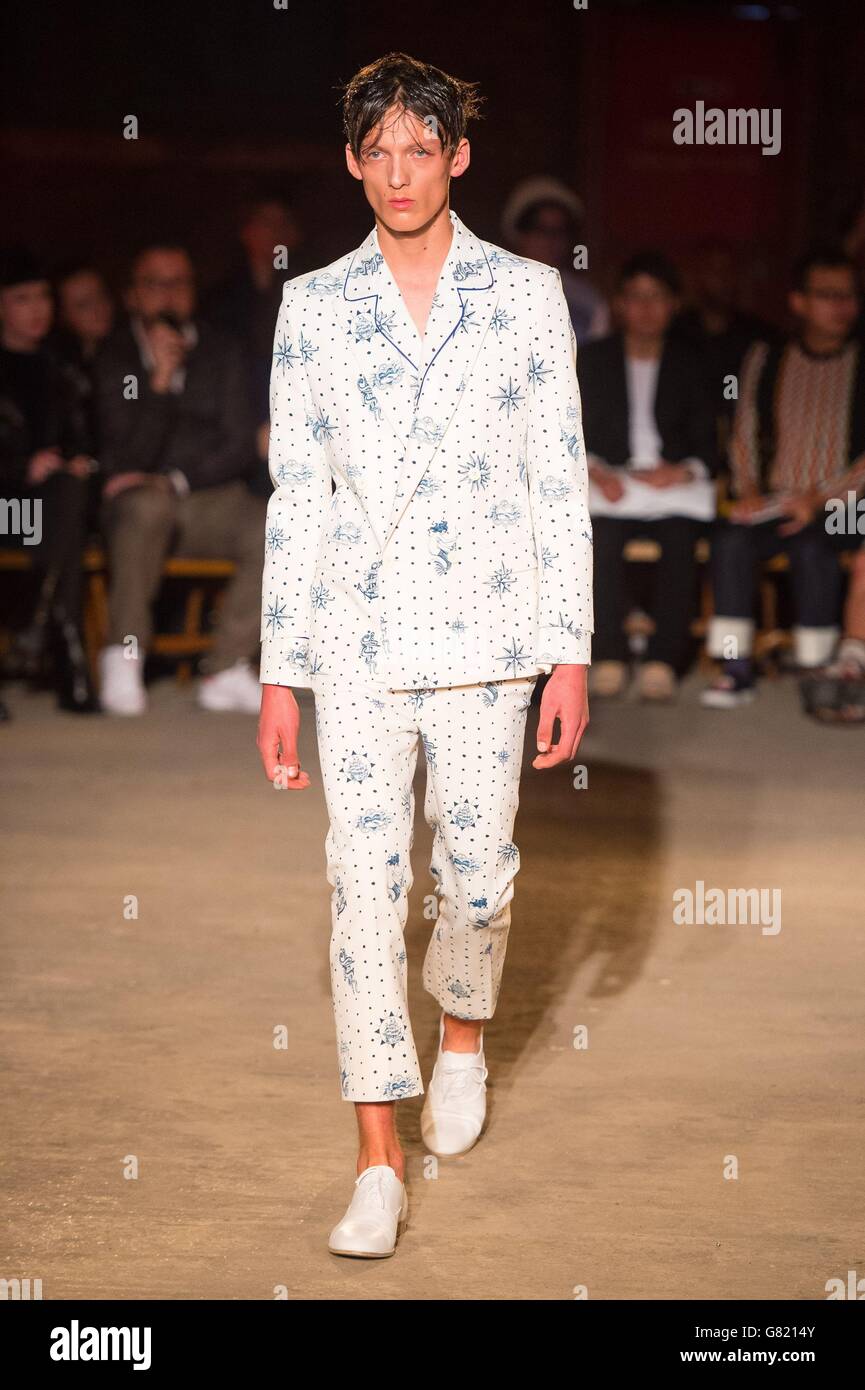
[393, 1158]
[460, 1036]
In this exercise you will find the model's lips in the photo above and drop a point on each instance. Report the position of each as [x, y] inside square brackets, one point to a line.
[401, 202]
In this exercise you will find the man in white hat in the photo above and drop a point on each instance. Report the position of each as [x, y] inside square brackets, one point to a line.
[543, 219]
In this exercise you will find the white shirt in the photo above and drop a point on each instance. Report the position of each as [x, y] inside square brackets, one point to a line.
[644, 441]
[640, 502]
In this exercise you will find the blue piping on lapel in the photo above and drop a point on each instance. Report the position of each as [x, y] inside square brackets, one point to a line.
[375, 294]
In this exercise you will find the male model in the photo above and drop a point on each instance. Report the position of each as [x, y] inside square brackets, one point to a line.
[431, 377]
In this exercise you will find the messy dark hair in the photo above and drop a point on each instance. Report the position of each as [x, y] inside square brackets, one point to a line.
[443, 102]
[652, 263]
[820, 256]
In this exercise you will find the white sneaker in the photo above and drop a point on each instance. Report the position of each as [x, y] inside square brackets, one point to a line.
[235, 688]
[121, 682]
[375, 1218]
[456, 1102]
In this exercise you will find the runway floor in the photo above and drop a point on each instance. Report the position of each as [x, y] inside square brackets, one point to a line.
[147, 1041]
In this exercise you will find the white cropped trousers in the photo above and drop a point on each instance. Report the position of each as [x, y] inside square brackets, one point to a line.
[368, 740]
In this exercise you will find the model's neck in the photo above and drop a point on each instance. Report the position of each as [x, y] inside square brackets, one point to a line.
[410, 253]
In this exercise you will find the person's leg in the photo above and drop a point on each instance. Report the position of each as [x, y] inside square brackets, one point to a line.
[64, 512]
[674, 592]
[473, 738]
[817, 582]
[854, 609]
[609, 641]
[368, 741]
[736, 552]
[137, 526]
[228, 523]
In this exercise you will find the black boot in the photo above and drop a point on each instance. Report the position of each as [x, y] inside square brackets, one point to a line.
[72, 681]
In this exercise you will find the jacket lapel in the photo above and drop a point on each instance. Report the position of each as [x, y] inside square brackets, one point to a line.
[397, 375]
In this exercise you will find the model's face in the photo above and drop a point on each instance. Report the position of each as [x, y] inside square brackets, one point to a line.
[829, 303]
[645, 307]
[162, 283]
[404, 172]
[27, 312]
[85, 305]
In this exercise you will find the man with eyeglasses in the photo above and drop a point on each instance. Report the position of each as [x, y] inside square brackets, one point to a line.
[178, 446]
[798, 441]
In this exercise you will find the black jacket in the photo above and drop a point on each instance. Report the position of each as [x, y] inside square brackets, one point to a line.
[40, 408]
[683, 411]
[206, 431]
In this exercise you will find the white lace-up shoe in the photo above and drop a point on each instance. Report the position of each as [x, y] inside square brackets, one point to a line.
[456, 1102]
[121, 682]
[235, 688]
[375, 1218]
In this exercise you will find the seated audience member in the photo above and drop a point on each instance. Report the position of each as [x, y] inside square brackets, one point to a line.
[85, 317]
[45, 468]
[837, 693]
[719, 331]
[247, 302]
[543, 220]
[798, 440]
[649, 438]
[177, 446]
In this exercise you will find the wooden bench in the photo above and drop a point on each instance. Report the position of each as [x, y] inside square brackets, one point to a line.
[181, 646]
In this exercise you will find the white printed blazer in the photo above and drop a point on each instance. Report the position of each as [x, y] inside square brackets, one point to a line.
[456, 546]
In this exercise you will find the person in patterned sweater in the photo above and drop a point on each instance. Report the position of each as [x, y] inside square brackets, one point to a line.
[798, 443]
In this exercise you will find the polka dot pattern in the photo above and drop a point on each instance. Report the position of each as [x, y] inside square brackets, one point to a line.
[429, 523]
[368, 737]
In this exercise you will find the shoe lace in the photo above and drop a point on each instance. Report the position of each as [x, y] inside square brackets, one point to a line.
[455, 1083]
[371, 1187]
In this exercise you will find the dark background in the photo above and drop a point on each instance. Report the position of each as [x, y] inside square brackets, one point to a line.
[237, 97]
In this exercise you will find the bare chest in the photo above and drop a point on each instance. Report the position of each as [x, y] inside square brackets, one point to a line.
[418, 297]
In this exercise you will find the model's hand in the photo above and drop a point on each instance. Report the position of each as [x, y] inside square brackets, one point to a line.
[278, 727]
[565, 698]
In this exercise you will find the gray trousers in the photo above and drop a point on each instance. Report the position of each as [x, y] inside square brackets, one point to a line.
[143, 526]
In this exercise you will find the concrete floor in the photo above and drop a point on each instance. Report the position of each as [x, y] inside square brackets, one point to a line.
[150, 1039]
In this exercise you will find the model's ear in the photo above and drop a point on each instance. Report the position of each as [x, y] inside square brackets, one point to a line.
[461, 159]
[353, 166]
[796, 301]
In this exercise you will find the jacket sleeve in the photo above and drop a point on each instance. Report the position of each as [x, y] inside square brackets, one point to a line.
[558, 488]
[223, 450]
[701, 426]
[134, 433]
[296, 513]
